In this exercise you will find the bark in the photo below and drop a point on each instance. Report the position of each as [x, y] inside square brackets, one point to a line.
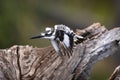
[32, 63]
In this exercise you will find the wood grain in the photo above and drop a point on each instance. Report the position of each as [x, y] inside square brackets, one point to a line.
[32, 63]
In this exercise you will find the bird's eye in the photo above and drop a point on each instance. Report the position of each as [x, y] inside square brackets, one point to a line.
[48, 32]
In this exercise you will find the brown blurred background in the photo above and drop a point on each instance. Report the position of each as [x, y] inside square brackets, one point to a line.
[21, 19]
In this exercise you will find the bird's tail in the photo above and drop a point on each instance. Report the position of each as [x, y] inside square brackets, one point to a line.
[78, 39]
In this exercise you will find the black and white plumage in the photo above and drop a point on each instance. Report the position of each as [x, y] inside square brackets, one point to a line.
[62, 39]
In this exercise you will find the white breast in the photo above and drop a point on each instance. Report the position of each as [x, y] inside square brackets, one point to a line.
[55, 45]
[66, 40]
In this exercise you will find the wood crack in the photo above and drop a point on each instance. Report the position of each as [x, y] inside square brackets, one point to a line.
[18, 62]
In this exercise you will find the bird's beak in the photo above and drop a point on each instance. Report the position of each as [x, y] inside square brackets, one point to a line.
[35, 37]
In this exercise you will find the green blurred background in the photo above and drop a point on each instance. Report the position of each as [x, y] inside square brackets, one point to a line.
[21, 19]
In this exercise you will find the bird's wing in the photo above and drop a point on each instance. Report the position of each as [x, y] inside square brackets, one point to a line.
[62, 28]
[66, 50]
[67, 45]
[61, 48]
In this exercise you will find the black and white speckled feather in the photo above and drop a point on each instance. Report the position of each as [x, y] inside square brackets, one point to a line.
[62, 38]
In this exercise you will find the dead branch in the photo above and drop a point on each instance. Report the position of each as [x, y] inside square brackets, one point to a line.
[32, 63]
[116, 74]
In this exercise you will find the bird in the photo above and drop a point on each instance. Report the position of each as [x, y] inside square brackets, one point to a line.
[62, 39]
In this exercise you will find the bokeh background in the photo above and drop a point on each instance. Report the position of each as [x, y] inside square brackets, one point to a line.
[21, 19]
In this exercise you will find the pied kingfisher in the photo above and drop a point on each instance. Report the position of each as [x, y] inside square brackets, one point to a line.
[62, 39]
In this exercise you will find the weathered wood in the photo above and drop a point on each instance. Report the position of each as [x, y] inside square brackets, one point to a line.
[32, 63]
[116, 74]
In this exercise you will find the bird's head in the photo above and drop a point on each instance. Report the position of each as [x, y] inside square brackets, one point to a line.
[47, 34]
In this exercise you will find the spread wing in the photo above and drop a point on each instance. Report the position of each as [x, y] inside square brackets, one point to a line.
[67, 38]
[62, 28]
[66, 44]
[61, 48]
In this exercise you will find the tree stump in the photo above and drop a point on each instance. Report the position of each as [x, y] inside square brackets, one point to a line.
[32, 63]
